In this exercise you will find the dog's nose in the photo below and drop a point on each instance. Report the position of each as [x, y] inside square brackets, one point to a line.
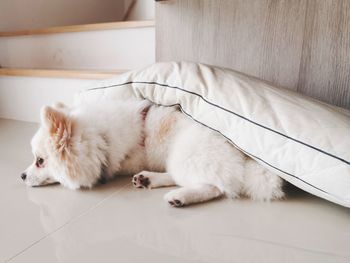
[23, 176]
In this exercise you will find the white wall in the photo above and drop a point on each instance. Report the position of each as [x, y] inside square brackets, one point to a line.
[32, 14]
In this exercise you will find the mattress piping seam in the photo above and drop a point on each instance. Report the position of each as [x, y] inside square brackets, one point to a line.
[222, 108]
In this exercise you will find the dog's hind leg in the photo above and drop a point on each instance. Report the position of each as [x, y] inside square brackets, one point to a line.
[191, 195]
[146, 179]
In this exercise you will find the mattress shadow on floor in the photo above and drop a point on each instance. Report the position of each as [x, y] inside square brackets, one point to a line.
[295, 193]
[299, 196]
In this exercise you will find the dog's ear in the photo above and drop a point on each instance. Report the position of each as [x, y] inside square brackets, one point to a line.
[59, 105]
[59, 125]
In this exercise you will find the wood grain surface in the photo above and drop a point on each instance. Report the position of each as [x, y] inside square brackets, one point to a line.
[79, 28]
[302, 45]
[325, 64]
[51, 73]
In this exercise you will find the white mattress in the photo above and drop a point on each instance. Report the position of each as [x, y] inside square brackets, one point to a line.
[304, 141]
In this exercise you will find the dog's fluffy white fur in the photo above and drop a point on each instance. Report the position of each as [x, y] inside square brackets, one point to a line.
[78, 147]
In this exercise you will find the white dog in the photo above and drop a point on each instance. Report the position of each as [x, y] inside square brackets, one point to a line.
[81, 146]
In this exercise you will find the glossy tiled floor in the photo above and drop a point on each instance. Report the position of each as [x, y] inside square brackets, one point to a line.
[116, 223]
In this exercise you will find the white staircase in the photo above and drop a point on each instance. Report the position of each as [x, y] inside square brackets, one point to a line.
[42, 66]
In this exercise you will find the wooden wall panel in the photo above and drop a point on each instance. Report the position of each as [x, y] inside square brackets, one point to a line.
[282, 41]
[251, 36]
[325, 64]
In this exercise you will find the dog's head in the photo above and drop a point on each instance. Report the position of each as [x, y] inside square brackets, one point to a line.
[62, 153]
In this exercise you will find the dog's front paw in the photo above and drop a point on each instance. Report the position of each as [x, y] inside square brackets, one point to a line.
[141, 181]
[174, 199]
[175, 203]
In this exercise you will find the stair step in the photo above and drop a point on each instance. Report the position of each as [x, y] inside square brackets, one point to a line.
[24, 91]
[80, 28]
[105, 46]
[52, 73]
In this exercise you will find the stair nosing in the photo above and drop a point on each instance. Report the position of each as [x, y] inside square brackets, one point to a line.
[80, 28]
[60, 73]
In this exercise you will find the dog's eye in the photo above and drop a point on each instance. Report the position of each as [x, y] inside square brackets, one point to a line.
[39, 162]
